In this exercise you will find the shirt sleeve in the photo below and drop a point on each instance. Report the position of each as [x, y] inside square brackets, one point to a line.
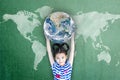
[52, 67]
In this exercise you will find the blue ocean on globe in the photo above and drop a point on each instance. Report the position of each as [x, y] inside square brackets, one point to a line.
[58, 27]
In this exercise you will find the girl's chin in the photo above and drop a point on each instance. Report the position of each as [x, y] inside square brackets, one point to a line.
[61, 64]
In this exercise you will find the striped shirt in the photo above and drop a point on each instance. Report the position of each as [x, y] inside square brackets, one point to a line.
[62, 72]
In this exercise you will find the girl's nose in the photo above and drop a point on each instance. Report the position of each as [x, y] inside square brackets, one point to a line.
[60, 60]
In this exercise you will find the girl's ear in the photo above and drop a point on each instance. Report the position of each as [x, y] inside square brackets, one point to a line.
[66, 56]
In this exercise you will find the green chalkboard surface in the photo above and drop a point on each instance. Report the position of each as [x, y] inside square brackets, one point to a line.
[23, 54]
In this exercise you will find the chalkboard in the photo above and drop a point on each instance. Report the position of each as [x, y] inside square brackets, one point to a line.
[23, 54]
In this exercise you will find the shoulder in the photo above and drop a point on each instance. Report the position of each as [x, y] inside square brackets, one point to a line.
[54, 65]
[68, 67]
[68, 63]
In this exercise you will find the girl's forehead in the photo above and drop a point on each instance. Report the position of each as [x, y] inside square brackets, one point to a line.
[60, 54]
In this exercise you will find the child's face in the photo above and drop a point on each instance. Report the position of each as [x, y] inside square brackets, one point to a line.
[61, 58]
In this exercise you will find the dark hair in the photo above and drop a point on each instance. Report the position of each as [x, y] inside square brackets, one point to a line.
[60, 48]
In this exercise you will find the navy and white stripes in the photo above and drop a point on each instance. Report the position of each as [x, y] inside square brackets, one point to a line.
[62, 72]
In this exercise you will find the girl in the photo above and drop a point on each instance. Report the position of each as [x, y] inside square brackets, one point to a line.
[61, 64]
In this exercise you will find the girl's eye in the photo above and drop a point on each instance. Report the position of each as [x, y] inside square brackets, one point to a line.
[62, 57]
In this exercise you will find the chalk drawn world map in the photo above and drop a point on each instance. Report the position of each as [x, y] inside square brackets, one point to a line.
[88, 25]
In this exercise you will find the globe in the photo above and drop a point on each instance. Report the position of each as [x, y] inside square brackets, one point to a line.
[58, 27]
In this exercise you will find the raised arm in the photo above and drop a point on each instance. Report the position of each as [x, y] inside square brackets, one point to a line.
[72, 48]
[51, 59]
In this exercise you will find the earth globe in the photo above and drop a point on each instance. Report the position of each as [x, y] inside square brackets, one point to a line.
[58, 27]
